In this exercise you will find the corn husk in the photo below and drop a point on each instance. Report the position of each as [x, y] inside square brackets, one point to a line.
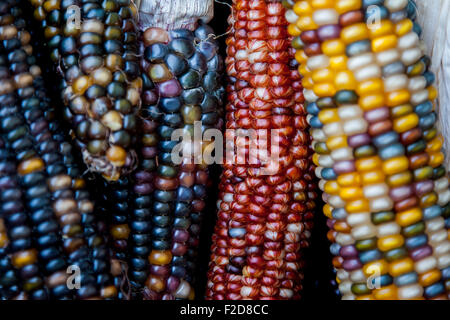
[174, 14]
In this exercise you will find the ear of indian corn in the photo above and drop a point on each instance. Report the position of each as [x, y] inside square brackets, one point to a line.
[182, 91]
[54, 193]
[94, 47]
[264, 216]
[371, 108]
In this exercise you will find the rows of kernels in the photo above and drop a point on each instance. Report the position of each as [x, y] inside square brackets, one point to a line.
[114, 205]
[62, 179]
[305, 186]
[13, 222]
[435, 256]
[61, 186]
[91, 223]
[371, 100]
[257, 240]
[184, 67]
[101, 87]
[31, 171]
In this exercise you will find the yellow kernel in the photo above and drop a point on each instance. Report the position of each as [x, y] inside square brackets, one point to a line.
[23, 258]
[399, 179]
[365, 297]
[371, 102]
[336, 142]
[117, 155]
[343, 6]
[333, 47]
[345, 80]
[51, 5]
[432, 93]
[351, 193]
[381, 267]
[338, 62]
[348, 179]
[397, 98]
[406, 123]
[372, 177]
[327, 211]
[160, 257]
[3, 239]
[322, 4]
[293, 30]
[386, 293]
[30, 166]
[324, 89]
[315, 159]
[301, 56]
[384, 43]
[368, 164]
[306, 23]
[384, 28]
[331, 187]
[304, 71]
[360, 205]
[395, 165]
[328, 116]
[403, 27]
[307, 82]
[428, 200]
[390, 242]
[401, 266]
[436, 159]
[302, 8]
[323, 75]
[435, 144]
[401, 110]
[369, 87]
[355, 32]
[82, 84]
[408, 217]
[428, 278]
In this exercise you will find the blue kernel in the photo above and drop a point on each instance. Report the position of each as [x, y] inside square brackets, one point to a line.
[424, 108]
[432, 212]
[385, 139]
[416, 242]
[405, 279]
[392, 151]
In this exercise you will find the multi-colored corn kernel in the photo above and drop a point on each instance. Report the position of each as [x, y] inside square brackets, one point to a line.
[57, 210]
[94, 46]
[370, 104]
[263, 218]
[182, 90]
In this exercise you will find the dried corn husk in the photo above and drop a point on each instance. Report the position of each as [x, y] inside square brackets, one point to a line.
[174, 14]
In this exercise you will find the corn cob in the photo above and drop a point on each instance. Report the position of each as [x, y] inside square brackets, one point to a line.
[101, 86]
[256, 251]
[42, 130]
[370, 99]
[182, 86]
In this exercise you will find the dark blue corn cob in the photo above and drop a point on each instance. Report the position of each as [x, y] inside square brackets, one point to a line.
[184, 67]
[101, 85]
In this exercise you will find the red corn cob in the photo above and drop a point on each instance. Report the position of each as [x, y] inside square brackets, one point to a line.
[263, 220]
